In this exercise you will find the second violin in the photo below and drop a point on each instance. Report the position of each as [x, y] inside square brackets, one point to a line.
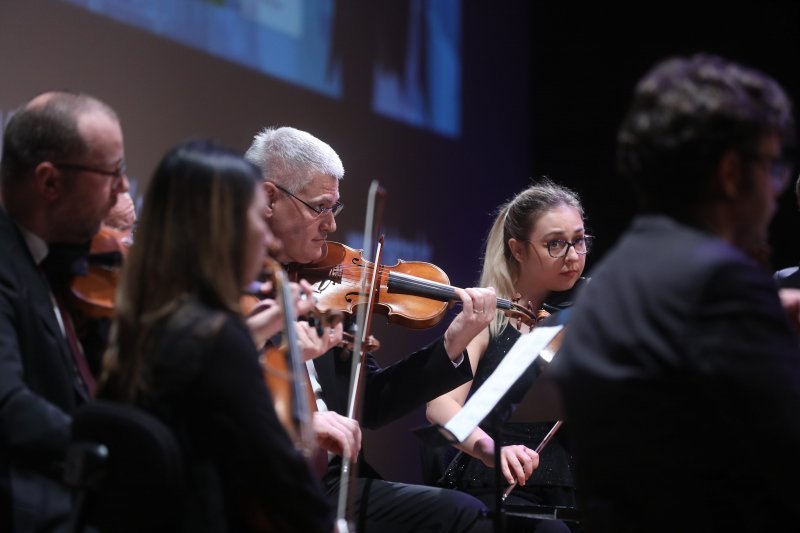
[414, 294]
[93, 292]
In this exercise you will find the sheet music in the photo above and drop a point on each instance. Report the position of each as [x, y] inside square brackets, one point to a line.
[514, 364]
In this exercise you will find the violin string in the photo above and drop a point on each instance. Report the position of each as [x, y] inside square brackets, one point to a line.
[351, 276]
[407, 279]
[354, 281]
[413, 281]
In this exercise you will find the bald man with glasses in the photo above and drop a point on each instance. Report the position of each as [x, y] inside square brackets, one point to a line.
[61, 172]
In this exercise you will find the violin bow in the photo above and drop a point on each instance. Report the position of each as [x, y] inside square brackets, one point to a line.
[538, 450]
[375, 201]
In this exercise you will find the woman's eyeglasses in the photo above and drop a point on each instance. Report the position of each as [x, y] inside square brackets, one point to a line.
[559, 247]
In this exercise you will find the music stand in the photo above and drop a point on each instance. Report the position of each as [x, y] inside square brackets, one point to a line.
[541, 342]
[542, 402]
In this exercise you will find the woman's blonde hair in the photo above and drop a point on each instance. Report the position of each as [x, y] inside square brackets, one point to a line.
[516, 219]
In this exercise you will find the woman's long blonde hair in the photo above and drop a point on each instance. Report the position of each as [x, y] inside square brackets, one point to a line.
[516, 219]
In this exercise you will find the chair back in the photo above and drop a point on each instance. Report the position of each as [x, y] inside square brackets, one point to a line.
[127, 468]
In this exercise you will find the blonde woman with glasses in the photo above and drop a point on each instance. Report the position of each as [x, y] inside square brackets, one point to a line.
[535, 254]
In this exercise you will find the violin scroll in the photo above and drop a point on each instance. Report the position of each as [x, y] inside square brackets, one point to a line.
[523, 315]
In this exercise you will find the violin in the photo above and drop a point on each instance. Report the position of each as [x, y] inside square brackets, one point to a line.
[93, 290]
[285, 375]
[289, 385]
[414, 294]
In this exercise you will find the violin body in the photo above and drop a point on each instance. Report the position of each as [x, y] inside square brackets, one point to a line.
[94, 292]
[281, 380]
[413, 294]
[336, 279]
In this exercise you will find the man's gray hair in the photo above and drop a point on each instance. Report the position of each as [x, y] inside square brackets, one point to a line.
[288, 157]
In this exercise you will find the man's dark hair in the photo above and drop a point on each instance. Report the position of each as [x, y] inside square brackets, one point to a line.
[686, 113]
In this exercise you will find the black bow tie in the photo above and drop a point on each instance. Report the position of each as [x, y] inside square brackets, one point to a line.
[63, 262]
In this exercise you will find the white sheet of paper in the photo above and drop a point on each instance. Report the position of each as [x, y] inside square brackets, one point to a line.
[516, 361]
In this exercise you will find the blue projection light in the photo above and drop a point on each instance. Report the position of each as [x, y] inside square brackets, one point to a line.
[293, 40]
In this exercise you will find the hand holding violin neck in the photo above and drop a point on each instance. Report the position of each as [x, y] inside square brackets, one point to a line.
[404, 284]
[413, 294]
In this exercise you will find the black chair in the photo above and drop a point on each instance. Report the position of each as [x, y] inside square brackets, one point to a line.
[126, 469]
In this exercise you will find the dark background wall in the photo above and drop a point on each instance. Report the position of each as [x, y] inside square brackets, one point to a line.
[586, 59]
[544, 86]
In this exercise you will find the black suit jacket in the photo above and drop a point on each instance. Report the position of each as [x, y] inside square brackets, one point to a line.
[39, 388]
[389, 392]
[680, 377]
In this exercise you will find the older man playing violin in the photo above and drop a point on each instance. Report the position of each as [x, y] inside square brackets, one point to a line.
[301, 178]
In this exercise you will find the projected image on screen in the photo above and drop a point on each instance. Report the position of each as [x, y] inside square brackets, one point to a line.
[286, 39]
[398, 58]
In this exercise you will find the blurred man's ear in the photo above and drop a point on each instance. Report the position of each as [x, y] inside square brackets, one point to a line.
[729, 175]
[49, 181]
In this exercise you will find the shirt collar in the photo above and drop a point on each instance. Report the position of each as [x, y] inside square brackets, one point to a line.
[36, 245]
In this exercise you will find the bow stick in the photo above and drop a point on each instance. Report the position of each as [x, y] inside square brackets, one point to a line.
[377, 195]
